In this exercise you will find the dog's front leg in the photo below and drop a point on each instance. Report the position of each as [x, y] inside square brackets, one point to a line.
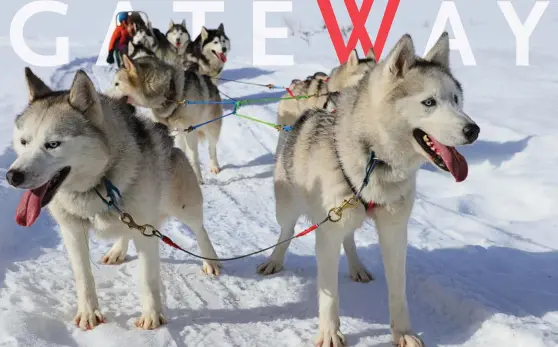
[392, 230]
[75, 236]
[328, 250]
[150, 282]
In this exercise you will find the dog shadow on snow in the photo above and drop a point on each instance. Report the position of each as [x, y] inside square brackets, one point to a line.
[18, 243]
[244, 73]
[445, 281]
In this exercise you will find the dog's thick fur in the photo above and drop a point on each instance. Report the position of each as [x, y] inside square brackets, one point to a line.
[209, 51]
[98, 137]
[151, 83]
[324, 159]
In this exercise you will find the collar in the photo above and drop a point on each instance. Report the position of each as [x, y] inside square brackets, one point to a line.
[372, 163]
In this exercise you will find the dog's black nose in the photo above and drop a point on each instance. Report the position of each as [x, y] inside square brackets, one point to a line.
[15, 177]
[471, 132]
[224, 49]
[177, 40]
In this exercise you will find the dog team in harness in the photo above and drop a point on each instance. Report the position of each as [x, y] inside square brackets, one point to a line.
[335, 159]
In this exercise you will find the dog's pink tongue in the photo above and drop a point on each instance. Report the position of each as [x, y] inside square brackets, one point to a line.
[29, 207]
[223, 57]
[454, 161]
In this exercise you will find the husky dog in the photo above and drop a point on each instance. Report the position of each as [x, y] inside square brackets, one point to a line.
[351, 72]
[179, 37]
[320, 84]
[152, 39]
[209, 51]
[318, 88]
[151, 83]
[404, 112]
[136, 51]
[68, 144]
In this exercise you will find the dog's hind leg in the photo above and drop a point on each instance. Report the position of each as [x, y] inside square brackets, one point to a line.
[185, 202]
[212, 132]
[191, 150]
[117, 254]
[287, 214]
[357, 271]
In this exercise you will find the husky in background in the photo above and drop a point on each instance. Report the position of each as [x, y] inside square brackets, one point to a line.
[404, 112]
[209, 51]
[68, 144]
[179, 37]
[163, 88]
[319, 87]
[152, 39]
[136, 51]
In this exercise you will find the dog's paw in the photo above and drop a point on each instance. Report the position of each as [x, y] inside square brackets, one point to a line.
[410, 340]
[116, 255]
[360, 274]
[88, 319]
[330, 338]
[215, 169]
[151, 320]
[270, 267]
[212, 268]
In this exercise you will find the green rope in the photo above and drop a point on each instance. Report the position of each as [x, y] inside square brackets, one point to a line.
[276, 126]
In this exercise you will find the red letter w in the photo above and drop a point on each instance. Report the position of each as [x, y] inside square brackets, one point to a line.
[358, 18]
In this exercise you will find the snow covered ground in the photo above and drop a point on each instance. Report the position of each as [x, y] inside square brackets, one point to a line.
[483, 254]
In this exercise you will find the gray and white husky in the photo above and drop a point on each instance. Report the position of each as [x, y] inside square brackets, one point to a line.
[405, 112]
[68, 143]
[178, 36]
[209, 51]
[163, 88]
[169, 47]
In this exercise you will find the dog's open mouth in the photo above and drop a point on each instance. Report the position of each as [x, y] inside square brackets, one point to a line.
[445, 157]
[178, 44]
[221, 56]
[33, 200]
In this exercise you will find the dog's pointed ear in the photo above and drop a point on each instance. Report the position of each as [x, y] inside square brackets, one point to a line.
[371, 54]
[83, 94]
[171, 24]
[401, 57]
[204, 34]
[353, 58]
[221, 27]
[129, 65]
[35, 85]
[184, 23]
[439, 53]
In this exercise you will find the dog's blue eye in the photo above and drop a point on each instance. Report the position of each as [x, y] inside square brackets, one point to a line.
[430, 102]
[52, 144]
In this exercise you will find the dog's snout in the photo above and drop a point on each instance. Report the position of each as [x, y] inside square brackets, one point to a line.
[471, 132]
[177, 40]
[15, 177]
[224, 49]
